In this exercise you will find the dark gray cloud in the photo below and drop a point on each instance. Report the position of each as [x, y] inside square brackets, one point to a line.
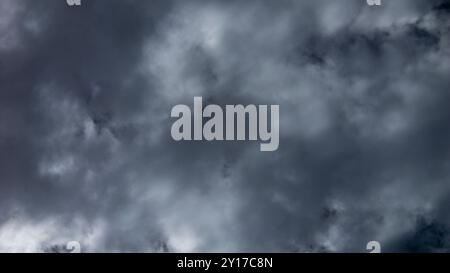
[86, 152]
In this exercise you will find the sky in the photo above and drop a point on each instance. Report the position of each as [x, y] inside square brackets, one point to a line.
[85, 147]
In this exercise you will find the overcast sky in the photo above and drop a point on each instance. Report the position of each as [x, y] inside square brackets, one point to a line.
[86, 152]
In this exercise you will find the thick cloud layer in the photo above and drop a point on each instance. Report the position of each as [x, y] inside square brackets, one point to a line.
[86, 152]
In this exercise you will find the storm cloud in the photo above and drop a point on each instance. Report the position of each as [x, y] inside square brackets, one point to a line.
[86, 153]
